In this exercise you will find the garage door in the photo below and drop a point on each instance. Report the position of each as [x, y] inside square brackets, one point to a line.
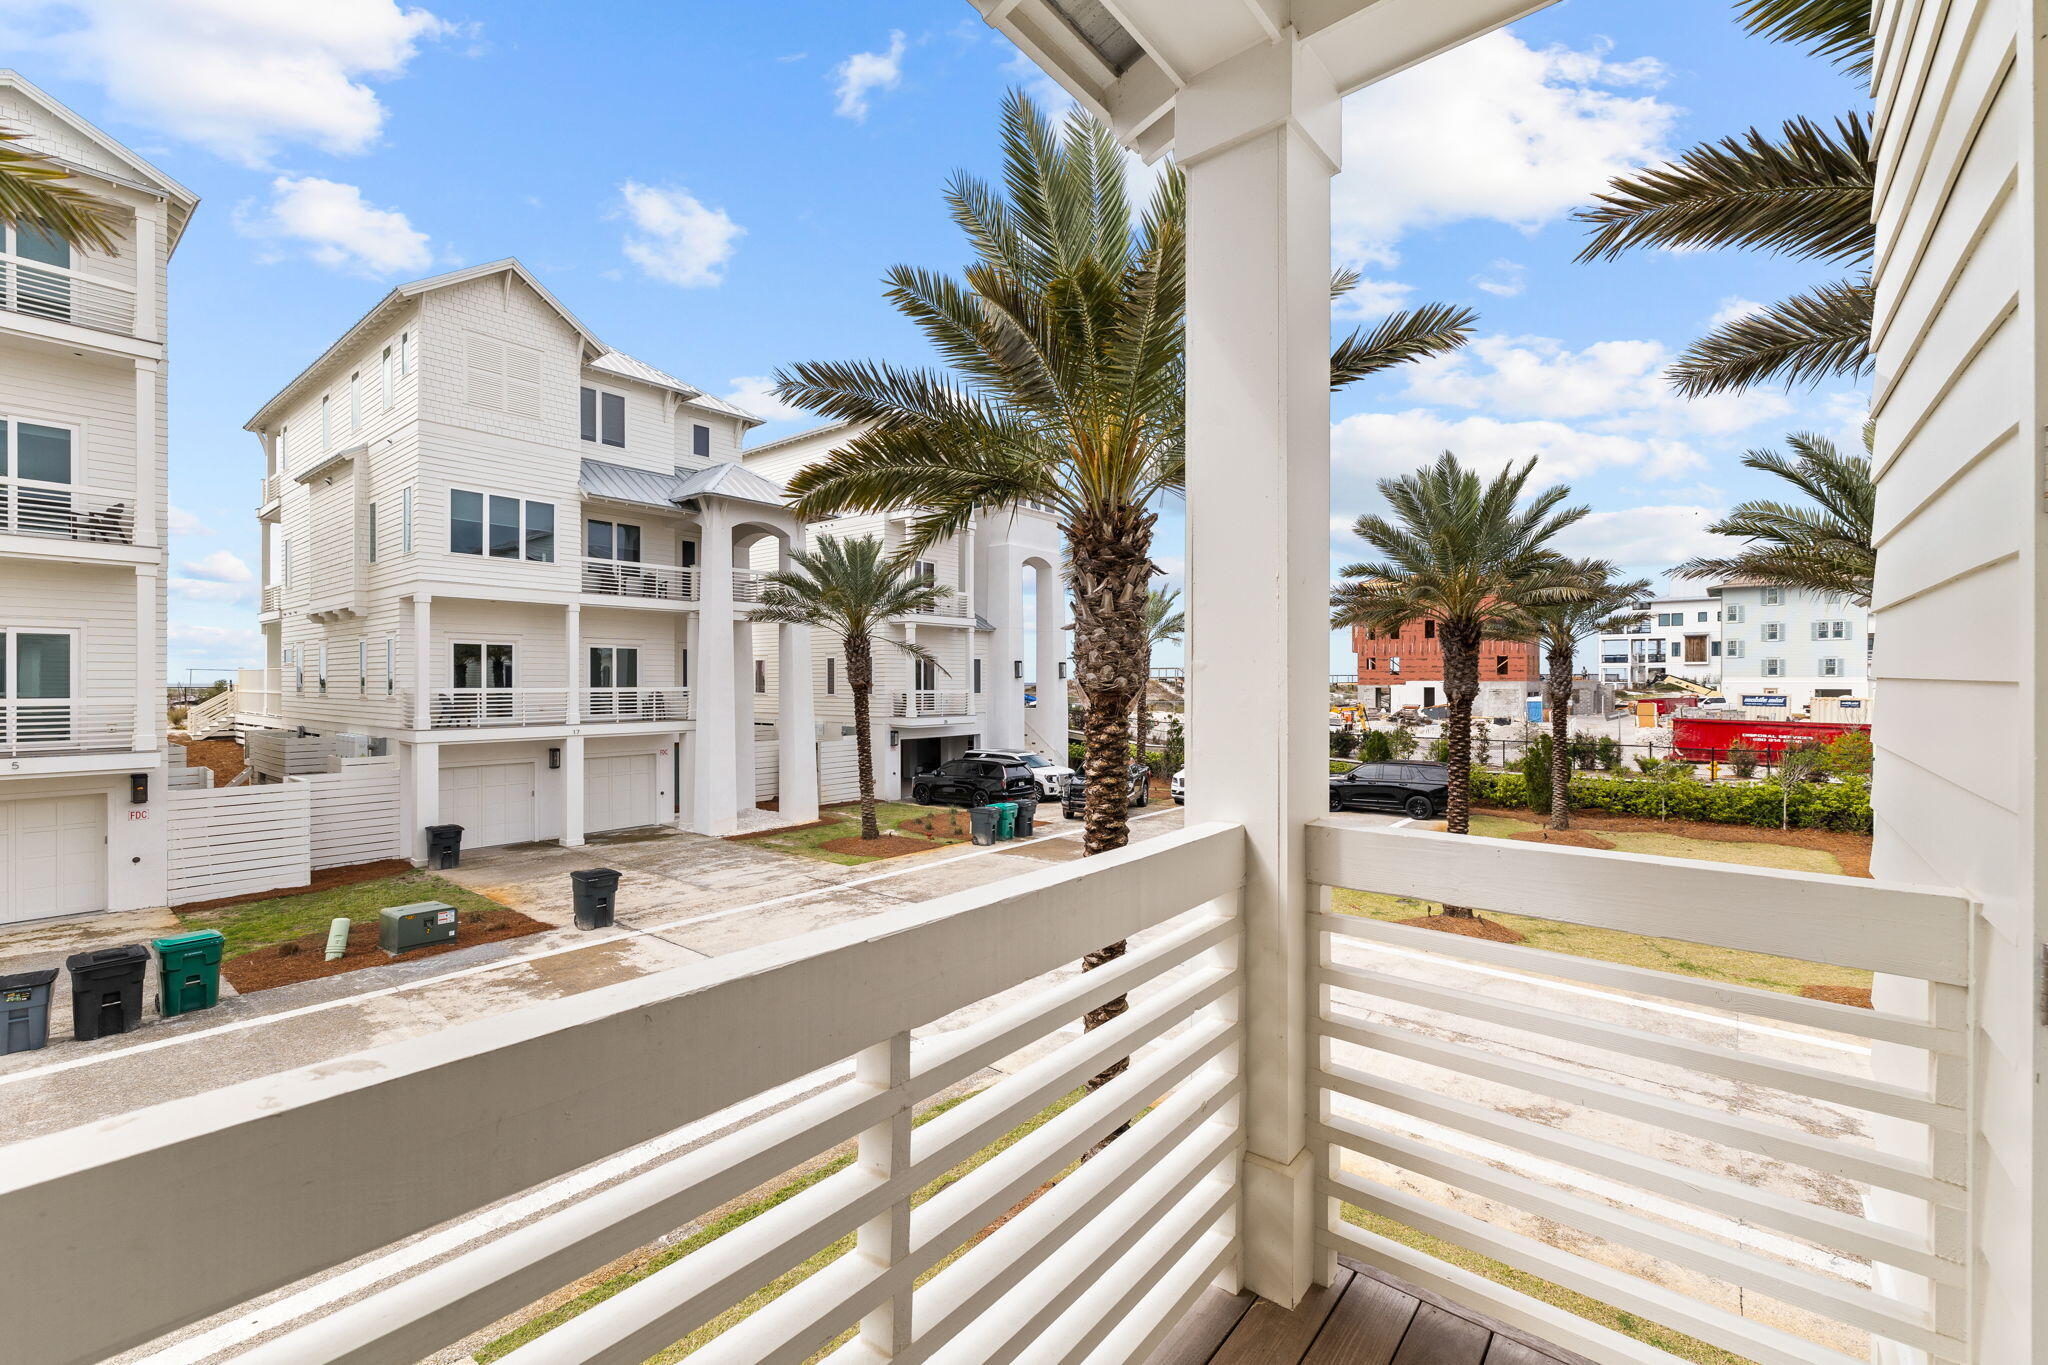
[493, 802]
[53, 857]
[618, 792]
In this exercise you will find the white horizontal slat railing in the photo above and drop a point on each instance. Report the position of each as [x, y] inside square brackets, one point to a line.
[862, 1022]
[1633, 1134]
[630, 578]
[636, 703]
[55, 511]
[57, 726]
[467, 707]
[63, 295]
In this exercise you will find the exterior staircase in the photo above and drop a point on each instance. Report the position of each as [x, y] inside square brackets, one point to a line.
[213, 717]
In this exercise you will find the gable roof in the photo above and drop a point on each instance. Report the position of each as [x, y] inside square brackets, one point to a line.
[622, 483]
[141, 175]
[731, 481]
[627, 367]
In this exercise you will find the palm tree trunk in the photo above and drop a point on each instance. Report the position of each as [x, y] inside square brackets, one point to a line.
[860, 676]
[1559, 697]
[1112, 567]
[1461, 687]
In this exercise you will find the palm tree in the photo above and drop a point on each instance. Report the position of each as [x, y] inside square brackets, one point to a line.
[1165, 624]
[1473, 557]
[1602, 605]
[1063, 340]
[1825, 546]
[34, 195]
[850, 589]
[1808, 194]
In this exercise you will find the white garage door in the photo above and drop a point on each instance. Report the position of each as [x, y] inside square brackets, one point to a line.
[493, 802]
[619, 792]
[53, 857]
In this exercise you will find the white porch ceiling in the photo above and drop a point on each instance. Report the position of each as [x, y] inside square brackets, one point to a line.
[1125, 60]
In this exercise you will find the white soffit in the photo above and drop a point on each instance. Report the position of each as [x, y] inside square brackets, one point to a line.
[1126, 59]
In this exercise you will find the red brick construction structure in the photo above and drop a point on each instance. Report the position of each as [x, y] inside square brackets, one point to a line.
[1422, 657]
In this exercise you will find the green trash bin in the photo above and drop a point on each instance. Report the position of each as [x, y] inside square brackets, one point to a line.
[188, 976]
[1006, 819]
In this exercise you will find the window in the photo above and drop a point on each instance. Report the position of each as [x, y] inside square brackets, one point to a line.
[1734, 614]
[480, 665]
[760, 675]
[1703, 616]
[977, 675]
[683, 669]
[1429, 629]
[1773, 631]
[612, 540]
[1831, 668]
[355, 400]
[405, 520]
[832, 676]
[604, 417]
[1830, 630]
[323, 666]
[362, 665]
[284, 449]
[34, 455]
[326, 425]
[371, 547]
[387, 378]
[611, 666]
[1734, 649]
[1774, 597]
[700, 441]
[286, 555]
[689, 555]
[512, 526]
[1500, 665]
[405, 354]
[1774, 668]
[295, 657]
[926, 674]
[36, 684]
[44, 293]
[1714, 648]
[390, 663]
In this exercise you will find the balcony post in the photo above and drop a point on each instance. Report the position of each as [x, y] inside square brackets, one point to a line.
[426, 796]
[422, 653]
[149, 663]
[578, 670]
[885, 1153]
[147, 532]
[1002, 578]
[572, 792]
[149, 309]
[796, 783]
[1258, 137]
[713, 791]
[1050, 606]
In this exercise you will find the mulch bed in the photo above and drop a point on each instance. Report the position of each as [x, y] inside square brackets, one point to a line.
[888, 846]
[952, 824]
[1839, 995]
[1577, 838]
[224, 756]
[1470, 928]
[324, 879]
[305, 959]
[1852, 851]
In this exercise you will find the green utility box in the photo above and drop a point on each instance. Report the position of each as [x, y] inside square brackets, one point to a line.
[405, 927]
[188, 971]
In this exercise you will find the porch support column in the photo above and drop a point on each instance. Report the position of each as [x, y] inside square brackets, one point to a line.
[149, 664]
[1002, 579]
[1051, 713]
[579, 671]
[1258, 137]
[743, 712]
[426, 797]
[149, 493]
[713, 794]
[422, 657]
[572, 792]
[796, 728]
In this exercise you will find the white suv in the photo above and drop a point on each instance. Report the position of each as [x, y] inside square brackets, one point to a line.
[1050, 776]
[1180, 787]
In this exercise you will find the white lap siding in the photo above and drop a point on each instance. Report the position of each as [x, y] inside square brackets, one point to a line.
[93, 395]
[95, 602]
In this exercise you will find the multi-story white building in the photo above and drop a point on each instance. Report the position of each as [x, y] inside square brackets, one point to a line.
[521, 561]
[82, 500]
[1682, 639]
[1791, 643]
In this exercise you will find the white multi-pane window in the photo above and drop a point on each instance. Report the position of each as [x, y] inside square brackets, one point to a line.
[1831, 668]
[1773, 631]
[502, 527]
[1774, 597]
[1774, 668]
[1734, 614]
[1830, 630]
[370, 544]
[1734, 649]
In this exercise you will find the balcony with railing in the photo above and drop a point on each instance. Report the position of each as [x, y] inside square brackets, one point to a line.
[101, 516]
[927, 703]
[269, 490]
[747, 585]
[272, 598]
[641, 582]
[61, 295]
[29, 727]
[459, 708]
[952, 603]
[601, 704]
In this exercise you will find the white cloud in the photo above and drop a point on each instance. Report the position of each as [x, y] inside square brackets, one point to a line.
[208, 645]
[864, 73]
[1372, 299]
[1648, 538]
[334, 225]
[222, 566]
[676, 238]
[1734, 309]
[206, 590]
[756, 393]
[1502, 279]
[1494, 129]
[1371, 445]
[183, 523]
[240, 77]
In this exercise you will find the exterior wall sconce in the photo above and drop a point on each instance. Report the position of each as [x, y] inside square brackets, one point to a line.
[1017, 669]
[1063, 669]
[138, 789]
[554, 758]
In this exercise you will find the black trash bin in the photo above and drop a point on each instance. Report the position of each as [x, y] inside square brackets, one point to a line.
[106, 990]
[1026, 810]
[25, 1010]
[982, 821]
[444, 846]
[597, 894]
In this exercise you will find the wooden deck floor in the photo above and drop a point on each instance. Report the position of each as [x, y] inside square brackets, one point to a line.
[1364, 1318]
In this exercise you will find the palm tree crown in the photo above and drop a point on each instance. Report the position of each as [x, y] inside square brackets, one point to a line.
[1599, 604]
[34, 195]
[1823, 545]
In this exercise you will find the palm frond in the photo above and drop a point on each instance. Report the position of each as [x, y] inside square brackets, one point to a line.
[1413, 334]
[1807, 194]
[34, 195]
[1837, 30]
[1825, 546]
[1809, 337]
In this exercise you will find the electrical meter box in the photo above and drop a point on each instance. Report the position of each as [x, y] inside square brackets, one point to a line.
[405, 927]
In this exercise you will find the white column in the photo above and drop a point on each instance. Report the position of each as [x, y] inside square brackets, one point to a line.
[422, 660]
[1003, 583]
[149, 664]
[149, 493]
[579, 670]
[743, 711]
[796, 727]
[1258, 137]
[1051, 714]
[149, 304]
[426, 796]
[714, 794]
[572, 792]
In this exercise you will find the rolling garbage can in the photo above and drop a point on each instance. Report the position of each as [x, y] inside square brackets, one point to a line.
[1006, 818]
[444, 846]
[1027, 811]
[597, 894]
[982, 821]
[25, 1010]
[106, 990]
[188, 971]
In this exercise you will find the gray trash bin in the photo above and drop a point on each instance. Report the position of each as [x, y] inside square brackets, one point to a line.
[1026, 811]
[983, 821]
[597, 894]
[25, 1010]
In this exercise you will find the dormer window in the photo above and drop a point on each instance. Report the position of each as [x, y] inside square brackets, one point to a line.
[700, 441]
[604, 417]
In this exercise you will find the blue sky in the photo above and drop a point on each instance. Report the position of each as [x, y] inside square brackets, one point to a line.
[718, 188]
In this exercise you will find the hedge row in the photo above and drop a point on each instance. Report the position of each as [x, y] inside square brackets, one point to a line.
[1835, 805]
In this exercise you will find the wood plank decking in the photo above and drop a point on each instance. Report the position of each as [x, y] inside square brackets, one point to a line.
[1364, 1318]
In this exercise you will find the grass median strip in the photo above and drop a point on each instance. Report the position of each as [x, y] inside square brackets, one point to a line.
[255, 924]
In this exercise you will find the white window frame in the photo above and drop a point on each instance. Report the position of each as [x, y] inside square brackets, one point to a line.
[406, 353]
[284, 449]
[484, 648]
[284, 554]
[1773, 667]
[483, 550]
[1732, 649]
[387, 377]
[323, 666]
[405, 518]
[1773, 632]
[370, 533]
[10, 458]
[1831, 668]
[390, 663]
[1774, 597]
[355, 400]
[326, 423]
[12, 678]
[1733, 614]
[362, 665]
[596, 436]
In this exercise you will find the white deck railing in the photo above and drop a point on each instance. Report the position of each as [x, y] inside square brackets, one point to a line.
[747, 585]
[273, 597]
[269, 489]
[866, 1022]
[622, 578]
[636, 703]
[953, 603]
[1581, 1120]
[60, 295]
[909, 704]
[67, 512]
[32, 727]
[465, 707]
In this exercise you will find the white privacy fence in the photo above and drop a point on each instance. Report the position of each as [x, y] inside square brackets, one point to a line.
[1694, 1153]
[838, 770]
[884, 1015]
[229, 841]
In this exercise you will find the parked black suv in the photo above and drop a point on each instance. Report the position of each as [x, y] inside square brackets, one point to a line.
[1419, 790]
[973, 782]
[1075, 799]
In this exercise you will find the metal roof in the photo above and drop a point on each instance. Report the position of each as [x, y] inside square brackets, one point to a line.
[731, 481]
[619, 363]
[622, 483]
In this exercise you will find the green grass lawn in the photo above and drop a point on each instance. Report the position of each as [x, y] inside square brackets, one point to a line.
[255, 924]
[806, 843]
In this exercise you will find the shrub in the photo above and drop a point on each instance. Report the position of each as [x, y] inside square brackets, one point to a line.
[1608, 750]
[1440, 751]
[1536, 774]
[1403, 741]
[1077, 754]
[1343, 744]
[1847, 756]
[1584, 751]
[1835, 805]
[1645, 763]
[1375, 746]
[1742, 761]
